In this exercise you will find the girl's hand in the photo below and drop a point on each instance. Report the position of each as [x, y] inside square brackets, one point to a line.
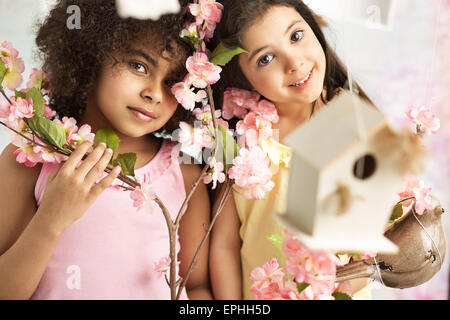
[71, 189]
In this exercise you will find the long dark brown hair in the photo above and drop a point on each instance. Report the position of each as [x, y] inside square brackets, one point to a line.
[239, 14]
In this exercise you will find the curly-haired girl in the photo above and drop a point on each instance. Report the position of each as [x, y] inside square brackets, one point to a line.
[64, 234]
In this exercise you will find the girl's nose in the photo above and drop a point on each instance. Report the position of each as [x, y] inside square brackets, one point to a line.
[153, 94]
[293, 63]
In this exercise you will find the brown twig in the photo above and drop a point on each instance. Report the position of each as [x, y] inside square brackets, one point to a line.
[172, 237]
[216, 214]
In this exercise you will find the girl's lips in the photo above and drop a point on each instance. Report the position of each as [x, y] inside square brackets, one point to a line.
[305, 84]
[142, 114]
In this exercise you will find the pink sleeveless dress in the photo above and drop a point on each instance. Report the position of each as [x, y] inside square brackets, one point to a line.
[111, 251]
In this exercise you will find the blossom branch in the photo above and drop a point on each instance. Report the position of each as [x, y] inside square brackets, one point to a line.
[216, 214]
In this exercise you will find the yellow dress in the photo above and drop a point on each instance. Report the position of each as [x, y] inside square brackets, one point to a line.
[257, 222]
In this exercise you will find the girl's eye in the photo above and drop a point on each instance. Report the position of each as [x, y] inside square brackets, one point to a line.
[297, 35]
[265, 60]
[139, 67]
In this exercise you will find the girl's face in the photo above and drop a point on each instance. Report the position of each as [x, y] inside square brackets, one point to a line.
[285, 62]
[134, 95]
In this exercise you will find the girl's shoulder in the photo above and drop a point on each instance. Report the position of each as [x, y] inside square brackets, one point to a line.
[17, 201]
[17, 174]
[191, 172]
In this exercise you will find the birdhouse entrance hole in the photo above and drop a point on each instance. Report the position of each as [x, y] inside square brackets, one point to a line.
[365, 167]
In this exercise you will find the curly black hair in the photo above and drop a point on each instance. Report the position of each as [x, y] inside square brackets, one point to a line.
[72, 58]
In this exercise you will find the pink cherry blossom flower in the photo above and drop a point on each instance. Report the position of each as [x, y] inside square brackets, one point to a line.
[70, 128]
[206, 10]
[425, 121]
[48, 112]
[237, 103]
[368, 254]
[196, 137]
[26, 153]
[162, 266]
[289, 291]
[267, 110]
[215, 174]
[5, 109]
[143, 197]
[33, 80]
[270, 272]
[190, 31]
[204, 114]
[202, 72]
[270, 291]
[318, 268]
[251, 172]
[84, 134]
[255, 128]
[22, 108]
[419, 192]
[14, 65]
[185, 94]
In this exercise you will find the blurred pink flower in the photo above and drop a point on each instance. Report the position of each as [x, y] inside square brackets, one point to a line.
[419, 192]
[48, 112]
[14, 65]
[425, 121]
[368, 255]
[252, 173]
[255, 128]
[5, 109]
[195, 137]
[202, 72]
[84, 134]
[185, 95]
[206, 10]
[270, 272]
[143, 197]
[22, 108]
[25, 154]
[162, 266]
[215, 174]
[318, 268]
[33, 80]
[204, 114]
[238, 102]
[190, 31]
[267, 110]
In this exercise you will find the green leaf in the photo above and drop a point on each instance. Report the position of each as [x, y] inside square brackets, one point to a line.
[38, 101]
[19, 94]
[397, 212]
[222, 54]
[276, 240]
[51, 131]
[127, 162]
[302, 286]
[108, 137]
[40, 81]
[355, 255]
[227, 148]
[341, 296]
[2, 71]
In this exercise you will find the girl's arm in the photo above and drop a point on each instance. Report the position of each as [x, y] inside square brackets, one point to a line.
[28, 235]
[225, 255]
[193, 226]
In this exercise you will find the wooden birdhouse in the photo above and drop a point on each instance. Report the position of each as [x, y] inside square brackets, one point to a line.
[343, 185]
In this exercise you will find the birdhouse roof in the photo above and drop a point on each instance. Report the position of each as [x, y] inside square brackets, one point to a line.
[334, 129]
